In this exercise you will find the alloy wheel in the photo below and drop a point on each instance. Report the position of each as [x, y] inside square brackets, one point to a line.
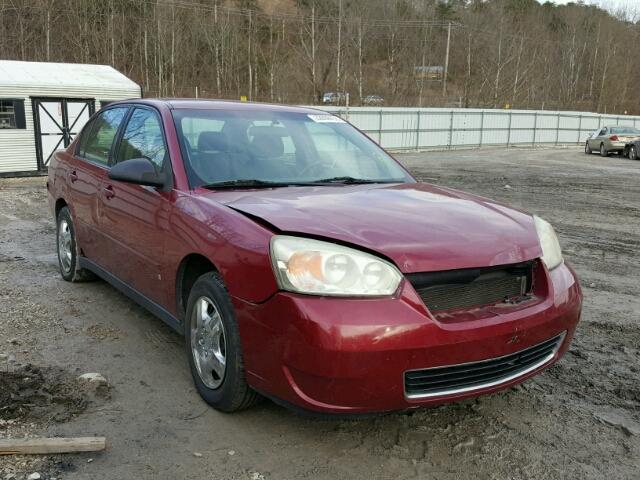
[633, 155]
[208, 343]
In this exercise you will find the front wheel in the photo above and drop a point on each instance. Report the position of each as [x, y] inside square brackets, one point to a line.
[587, 148]
[213, 346]
[633, 153]
[603, 151]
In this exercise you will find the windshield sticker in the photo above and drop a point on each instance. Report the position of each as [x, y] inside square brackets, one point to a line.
[325, 118]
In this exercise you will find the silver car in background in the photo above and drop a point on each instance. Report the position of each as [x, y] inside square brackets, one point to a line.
[610, 139]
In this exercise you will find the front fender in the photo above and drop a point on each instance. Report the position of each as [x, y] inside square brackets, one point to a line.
[237, 246]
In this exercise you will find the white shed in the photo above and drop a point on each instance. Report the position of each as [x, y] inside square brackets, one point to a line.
[44, 105]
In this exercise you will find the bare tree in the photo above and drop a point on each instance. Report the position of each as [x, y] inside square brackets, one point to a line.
[501, 51]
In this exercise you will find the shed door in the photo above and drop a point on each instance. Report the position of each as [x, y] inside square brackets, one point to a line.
[57, 122]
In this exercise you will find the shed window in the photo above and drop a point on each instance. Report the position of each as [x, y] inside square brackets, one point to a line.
[12, 114]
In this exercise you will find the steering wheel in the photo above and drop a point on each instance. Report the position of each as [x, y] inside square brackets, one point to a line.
[317, 167]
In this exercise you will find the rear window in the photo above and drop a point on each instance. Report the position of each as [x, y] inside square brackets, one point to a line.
[625, 130]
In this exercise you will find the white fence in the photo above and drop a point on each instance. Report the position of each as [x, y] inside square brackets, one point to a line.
[423, 128]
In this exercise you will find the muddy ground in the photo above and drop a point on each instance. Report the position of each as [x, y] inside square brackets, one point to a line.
[580, 419]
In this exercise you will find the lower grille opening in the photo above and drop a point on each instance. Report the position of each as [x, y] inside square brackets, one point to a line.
[474, 287]
[454, 379]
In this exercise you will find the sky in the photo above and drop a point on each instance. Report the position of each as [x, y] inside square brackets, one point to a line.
[610, 5]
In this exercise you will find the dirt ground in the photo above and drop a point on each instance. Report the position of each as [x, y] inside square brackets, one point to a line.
[580, 419]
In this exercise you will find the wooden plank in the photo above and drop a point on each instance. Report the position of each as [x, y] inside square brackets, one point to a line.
[51, 445]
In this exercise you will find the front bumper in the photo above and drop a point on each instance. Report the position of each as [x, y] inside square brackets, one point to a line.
[339, 355]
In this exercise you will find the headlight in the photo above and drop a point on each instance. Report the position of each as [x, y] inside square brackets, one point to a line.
[551, 253]
[321, 268]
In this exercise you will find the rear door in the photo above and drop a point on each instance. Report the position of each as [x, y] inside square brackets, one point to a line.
[85, 176]
[135, 217]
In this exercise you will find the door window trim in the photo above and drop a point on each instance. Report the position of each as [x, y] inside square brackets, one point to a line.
[167, 167]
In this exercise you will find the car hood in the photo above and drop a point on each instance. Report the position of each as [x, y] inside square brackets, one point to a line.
[420, 227]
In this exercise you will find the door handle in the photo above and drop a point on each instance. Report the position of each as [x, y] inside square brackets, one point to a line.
[73, 176]
[108, 192]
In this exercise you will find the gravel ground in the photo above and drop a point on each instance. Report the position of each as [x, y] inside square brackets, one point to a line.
[580, 419]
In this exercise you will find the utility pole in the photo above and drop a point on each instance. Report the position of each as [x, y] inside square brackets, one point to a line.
[446, 62]
[339, 46]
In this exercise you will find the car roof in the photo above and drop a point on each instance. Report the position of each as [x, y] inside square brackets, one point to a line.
[202, 104]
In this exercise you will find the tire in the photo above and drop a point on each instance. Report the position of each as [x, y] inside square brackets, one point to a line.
[215, 337]
[67, 249]
[603, 151]
[587, 148]
[633, 153]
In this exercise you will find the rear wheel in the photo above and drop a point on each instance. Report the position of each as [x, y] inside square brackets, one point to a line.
[213, 346]
[603, 151]
[633, 153]
[68, 249]
[587, 148]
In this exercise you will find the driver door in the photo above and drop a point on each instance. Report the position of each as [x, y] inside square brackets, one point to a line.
[135, 217]
[594, 142]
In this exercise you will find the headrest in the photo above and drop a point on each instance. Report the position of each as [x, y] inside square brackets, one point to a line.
[267, 146]
[208, 141]
[268, 130]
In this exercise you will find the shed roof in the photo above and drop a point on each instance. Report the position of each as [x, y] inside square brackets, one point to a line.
[55, 75]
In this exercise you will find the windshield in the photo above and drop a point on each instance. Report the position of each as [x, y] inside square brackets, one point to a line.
[269, 147]
[625, 130]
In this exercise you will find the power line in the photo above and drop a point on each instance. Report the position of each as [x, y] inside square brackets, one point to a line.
[297, 17]
[246, 13]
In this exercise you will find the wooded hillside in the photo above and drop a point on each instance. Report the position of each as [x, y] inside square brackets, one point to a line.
[514, 52]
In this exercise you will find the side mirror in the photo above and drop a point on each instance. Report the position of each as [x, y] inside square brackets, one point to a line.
[139, 171]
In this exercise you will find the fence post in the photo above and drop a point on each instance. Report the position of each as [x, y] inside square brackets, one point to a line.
[509, 129]
[535, 128]
[451, 130]
[418, 131]
[380, 128]
[579, 127]
[557, 128]
[481, 127]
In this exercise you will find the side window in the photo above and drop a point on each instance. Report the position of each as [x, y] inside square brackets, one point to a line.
[143, 138]
[602, 132]
[12, 114]
[100, 136]
[84, 136]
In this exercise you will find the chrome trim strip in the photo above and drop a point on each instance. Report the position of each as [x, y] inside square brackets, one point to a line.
[443, 393]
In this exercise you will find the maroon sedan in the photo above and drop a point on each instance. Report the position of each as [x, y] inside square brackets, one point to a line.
[303, 263]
